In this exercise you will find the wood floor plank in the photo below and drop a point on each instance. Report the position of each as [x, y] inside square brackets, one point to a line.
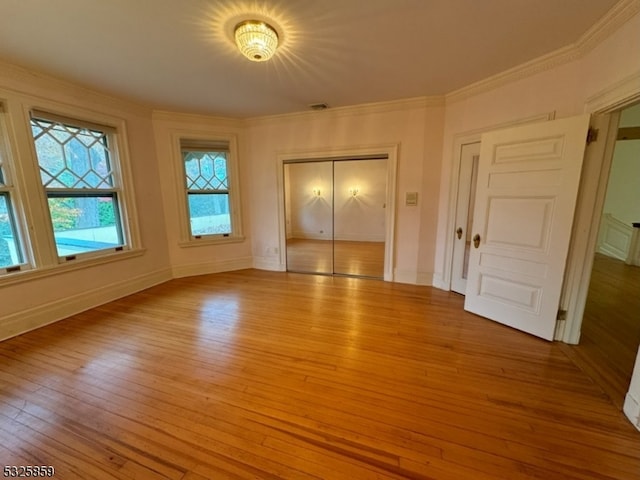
[270, 375]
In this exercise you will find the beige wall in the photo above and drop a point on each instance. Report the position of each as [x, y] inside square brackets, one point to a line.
[32, 302]
[208, 258]
[623, 191]
[406, 124]
[360, 218]
[309, 215]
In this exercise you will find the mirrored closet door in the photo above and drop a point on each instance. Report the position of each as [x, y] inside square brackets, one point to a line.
[309, 216]
[335, 216]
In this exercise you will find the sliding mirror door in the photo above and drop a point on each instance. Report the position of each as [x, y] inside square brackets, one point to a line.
[360, 195]
[309, 216]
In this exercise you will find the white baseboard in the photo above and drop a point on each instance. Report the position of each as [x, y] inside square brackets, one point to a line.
[27, 320]
[404, 276]
[631, 409]
[193, 269]
[614, 238]
[311, 236]
[425, 278]
[347, 237]
[437, 281]
[269, 263]
[351, 237]
[633, 257]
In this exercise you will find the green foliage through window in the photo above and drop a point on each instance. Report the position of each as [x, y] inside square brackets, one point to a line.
[76, 173]
[207, 186]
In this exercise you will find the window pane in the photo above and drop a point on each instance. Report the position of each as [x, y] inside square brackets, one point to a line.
[9, 246]
[84, 223]
[206, 170]
[209, 213]
[71, 157]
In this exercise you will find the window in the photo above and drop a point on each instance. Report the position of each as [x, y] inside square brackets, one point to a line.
[11, 252]
[77, 165]
[207, 184]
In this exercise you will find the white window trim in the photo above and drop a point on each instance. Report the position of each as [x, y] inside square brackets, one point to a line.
[186, 240]
[14, 194]
[44, 242]
[29, 197]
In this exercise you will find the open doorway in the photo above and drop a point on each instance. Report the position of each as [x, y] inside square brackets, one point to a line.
[610, 332]
[595, 359]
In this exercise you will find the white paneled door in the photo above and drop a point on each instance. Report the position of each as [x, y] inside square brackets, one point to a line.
[527, 186]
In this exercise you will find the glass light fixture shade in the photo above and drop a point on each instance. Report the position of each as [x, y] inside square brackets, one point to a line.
[256, 40]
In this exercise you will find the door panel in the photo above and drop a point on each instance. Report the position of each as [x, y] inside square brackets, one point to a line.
[360, 193]
[527, 186]
[309, 216]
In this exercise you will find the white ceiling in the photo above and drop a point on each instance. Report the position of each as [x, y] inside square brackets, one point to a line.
[179, 54]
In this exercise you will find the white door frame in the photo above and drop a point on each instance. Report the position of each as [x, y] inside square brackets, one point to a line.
[391, 151]
[605, 106]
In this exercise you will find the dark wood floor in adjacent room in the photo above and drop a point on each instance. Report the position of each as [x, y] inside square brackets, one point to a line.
[267, 375]
[610, 327]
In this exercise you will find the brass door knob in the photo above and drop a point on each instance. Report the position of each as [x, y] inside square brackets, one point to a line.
[459, 232]
[476, 240]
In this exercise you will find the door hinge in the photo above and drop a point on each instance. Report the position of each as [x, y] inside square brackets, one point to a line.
[562, 315]
[592, 135]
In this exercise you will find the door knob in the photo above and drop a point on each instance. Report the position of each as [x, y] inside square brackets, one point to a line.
[459, 232]
[476, 240]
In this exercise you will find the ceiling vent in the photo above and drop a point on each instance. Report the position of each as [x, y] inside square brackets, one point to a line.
[318, 106]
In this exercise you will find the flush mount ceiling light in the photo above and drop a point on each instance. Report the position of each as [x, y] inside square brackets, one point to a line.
[256, 40]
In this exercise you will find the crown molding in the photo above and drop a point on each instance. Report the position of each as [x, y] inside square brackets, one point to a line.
[352, 110]
[26, 81]
[549, 61]
[615, 96]
[619, 14]
[196, 118]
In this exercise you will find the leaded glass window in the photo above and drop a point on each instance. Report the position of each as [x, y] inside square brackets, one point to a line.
[207, 189]
[76, 165]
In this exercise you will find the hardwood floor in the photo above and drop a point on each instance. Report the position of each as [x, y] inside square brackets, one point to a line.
[268, 375]
[610, 327]
[364, 259]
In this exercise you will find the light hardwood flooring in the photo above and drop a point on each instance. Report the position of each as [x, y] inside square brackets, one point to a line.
[610, 327]
[267, 375]
[364, 259]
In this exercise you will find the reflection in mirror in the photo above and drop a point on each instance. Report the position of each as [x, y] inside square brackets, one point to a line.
[335, 216]
[360, 191]
[309, 216]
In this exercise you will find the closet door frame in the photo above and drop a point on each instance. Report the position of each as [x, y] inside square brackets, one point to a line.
[390, 151]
